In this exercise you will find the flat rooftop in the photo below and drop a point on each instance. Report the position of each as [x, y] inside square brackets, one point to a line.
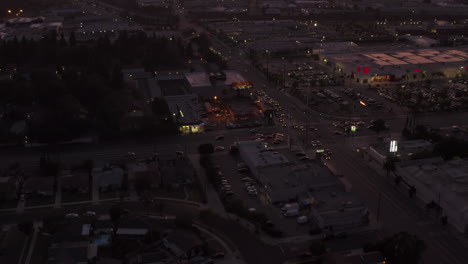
[287, 182]
[398, 58]
[259, 155]
[444, 182]
[198, 79]
[232, 77]
[410, 146]
[185, 107]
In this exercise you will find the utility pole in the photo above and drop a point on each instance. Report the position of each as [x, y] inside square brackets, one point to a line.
[378, 206]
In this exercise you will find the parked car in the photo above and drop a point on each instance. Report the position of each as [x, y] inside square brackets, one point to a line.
[243, 170]
[291, 213]
[219, 148]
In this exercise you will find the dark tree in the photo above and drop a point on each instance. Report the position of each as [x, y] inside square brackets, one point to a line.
[115, 213]
[317, 248]
[142, 183]
[389, 164]
[452, 147]
[205, 149]
[402, 248]
[89, 166]
[72, 39]
[26, 227]
[379, 125]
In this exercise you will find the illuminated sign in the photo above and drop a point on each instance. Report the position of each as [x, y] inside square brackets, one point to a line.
[242, 85]
[417, 70]
[366, 70]
[353, 128]
[320, 150]
[358, 69]
[393, 146]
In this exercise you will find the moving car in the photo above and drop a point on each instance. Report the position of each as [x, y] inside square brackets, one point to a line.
[71, 215]
[90, 213]
[130, 154]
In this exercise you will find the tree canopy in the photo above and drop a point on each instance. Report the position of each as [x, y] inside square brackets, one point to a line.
[72, 87]
[401, 248]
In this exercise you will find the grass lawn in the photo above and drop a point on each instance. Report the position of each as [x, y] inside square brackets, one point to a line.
[35, 201]
[68, 197]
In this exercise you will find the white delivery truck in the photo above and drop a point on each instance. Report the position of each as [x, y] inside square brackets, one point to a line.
[302, 219]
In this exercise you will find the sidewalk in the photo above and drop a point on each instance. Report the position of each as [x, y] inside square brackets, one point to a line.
[131, 188]
[23, 208]
[32, 245]
[95, 190]
[58, 194]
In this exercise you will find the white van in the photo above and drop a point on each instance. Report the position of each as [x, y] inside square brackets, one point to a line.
[291, 213]
[302, 219]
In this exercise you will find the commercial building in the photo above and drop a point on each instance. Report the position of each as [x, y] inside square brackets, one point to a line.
[443, 184]
[220, 84]
[257, 156]
[335, 210]
[405, 150]
[185, 111]
[406, 65]
[295, 182]
[144, 81]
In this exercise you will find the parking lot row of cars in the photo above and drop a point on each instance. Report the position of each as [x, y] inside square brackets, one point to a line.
[429, 97]
[363, 100]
